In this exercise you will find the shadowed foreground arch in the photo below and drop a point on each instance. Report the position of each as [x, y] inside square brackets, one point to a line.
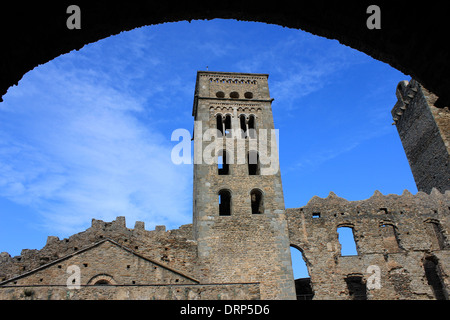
[411, 38]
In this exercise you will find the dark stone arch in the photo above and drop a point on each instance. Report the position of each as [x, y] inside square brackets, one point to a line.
[36, 32]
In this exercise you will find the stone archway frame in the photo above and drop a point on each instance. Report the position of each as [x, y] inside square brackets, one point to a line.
[102, 277]
[37, 32]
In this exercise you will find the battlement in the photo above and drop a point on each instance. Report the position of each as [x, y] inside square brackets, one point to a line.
[167, 246]
[378, 205]
[405, 92]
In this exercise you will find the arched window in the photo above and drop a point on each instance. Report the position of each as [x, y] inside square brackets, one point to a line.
[102, 280]
[253, 163]
[228, 125]
[252, 126]
[224, 203]
[219, 122]
[243, 125]
[347, 240]
[223, 163]
[257, 201]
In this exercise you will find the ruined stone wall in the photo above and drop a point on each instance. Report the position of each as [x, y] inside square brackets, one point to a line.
[173, 248]
[142, 264]
[425, 134]
[396, 234]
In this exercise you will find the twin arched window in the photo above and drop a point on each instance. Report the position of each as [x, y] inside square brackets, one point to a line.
[224, 124]
[225, 204]
[247, 126]
[224, 160]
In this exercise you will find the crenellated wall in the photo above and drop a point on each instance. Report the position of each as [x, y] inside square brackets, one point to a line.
[394, 233]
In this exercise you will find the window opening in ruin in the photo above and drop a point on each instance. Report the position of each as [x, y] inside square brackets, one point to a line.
[437, 234]
[228, 125]
[219, 122]
[257, 201]
[356, 287]
[433, 275]
[302, 279]
[347, 240]
[252, 126]
[243, 126]
[253, 163]
[390, 237]
[224, 203]
[223, 163]
[316, 215]
[102, 282]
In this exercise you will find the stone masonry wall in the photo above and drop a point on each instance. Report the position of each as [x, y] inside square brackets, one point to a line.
[243, 291]
[241, 246]
[173, 248]
[425, 134]
[393, 233]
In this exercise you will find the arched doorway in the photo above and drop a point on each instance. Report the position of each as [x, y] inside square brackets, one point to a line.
[302, 279]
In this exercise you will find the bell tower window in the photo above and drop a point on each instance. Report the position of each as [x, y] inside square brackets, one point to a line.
[256, 197]
[228, 125]
[252, 126]
[223, 163]
[224, 203]
[219, 123]
[253, 163]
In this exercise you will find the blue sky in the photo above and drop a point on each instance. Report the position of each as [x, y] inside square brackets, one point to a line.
[87, 135]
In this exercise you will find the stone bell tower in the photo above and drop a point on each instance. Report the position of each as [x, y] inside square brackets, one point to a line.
[239, 213]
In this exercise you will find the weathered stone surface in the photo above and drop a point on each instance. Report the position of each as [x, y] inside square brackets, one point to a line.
[241, 251]
[399, 255]
[425, 134]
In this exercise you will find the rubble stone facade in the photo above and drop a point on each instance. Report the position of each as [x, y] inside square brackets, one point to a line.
[395, 236]
[238, 246]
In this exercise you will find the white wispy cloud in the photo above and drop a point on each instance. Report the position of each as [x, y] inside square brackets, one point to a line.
[300, 64]
[75, 148]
